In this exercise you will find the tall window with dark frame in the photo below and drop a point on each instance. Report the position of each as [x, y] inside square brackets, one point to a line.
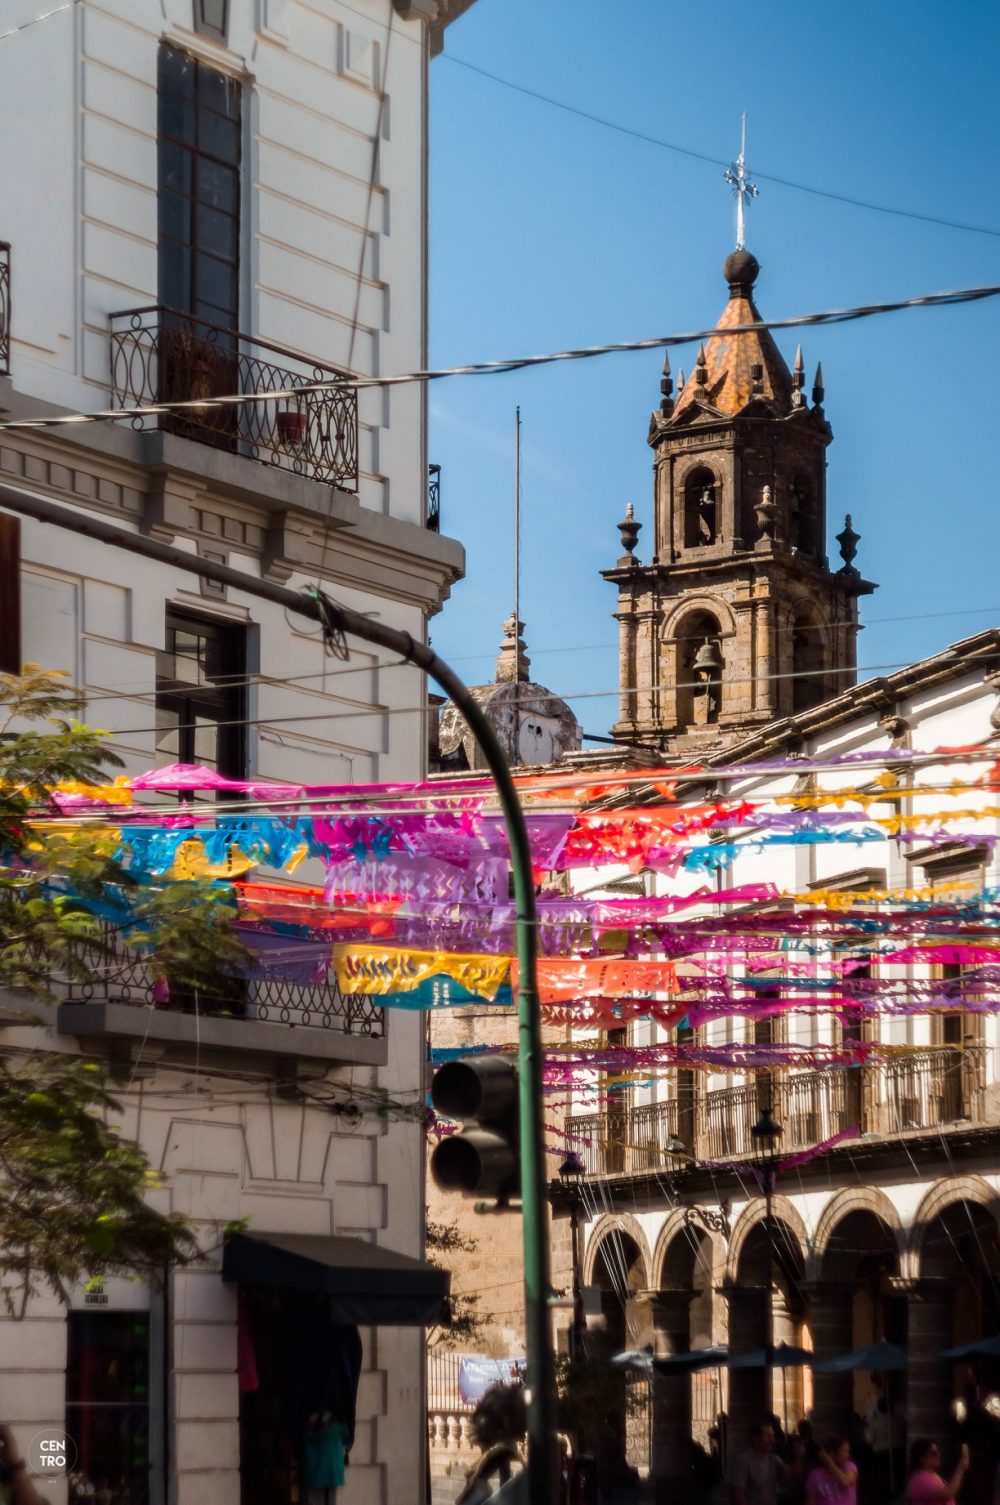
[199, 148]
[201, 694]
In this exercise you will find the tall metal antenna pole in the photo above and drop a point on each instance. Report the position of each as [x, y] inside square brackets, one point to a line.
[517, 544]
[736, 176]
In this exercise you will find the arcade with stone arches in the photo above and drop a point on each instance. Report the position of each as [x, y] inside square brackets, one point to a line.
[854, 1274]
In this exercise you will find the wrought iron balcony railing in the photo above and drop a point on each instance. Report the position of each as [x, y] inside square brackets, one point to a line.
[928, 1089]
[159, 356]
[4, 308]
[434, 498]
[116, 974]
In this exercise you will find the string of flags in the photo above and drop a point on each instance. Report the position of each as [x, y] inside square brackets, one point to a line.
[409, 900]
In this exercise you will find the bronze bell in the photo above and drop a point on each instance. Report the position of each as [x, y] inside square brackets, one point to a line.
[708, 660]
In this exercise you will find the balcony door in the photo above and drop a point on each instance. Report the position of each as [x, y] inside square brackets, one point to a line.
[960, 1033]
[201, 694]
[199, 152]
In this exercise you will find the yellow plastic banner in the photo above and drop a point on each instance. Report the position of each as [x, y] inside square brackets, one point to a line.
[382, 969]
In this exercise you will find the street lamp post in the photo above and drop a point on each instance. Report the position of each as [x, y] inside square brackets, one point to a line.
[695, 1216]
[766, 1133]
[571, 1181]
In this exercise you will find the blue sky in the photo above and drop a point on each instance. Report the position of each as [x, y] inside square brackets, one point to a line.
[549, 232]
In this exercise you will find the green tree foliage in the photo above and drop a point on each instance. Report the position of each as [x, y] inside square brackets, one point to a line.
[594, 1399]
[72, 1192]
[466, 1324]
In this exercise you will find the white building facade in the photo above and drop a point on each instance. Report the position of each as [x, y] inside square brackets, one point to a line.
[892, 1233]
[212, 198]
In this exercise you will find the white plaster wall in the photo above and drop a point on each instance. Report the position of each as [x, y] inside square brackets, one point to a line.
[79, 196]
[82, 87]
[953, 714]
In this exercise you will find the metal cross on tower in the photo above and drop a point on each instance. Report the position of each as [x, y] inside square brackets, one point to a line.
[743, 189]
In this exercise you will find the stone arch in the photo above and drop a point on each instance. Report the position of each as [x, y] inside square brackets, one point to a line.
[944, 1194]
[674, 1227]
[698, 699]
[700, 495]
[849, 1200]
[809, 652]
[784, 1212]
[803, 512]
[713, 605]
[698, 693]
[615, 1222]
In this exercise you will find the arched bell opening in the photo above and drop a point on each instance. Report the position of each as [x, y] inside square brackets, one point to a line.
[700, 665]
[809, 684]
[702, 508]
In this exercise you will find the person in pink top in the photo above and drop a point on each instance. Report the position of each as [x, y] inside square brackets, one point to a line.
[926, 1486]
[835, 1481]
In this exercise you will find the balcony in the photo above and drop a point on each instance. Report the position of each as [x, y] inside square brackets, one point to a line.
[117, 997]
[4, 308]
[930, 1089]
[626, 1143]
[159, 355]
[434, 498]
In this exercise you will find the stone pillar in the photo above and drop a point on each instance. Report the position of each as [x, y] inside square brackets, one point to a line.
[831, 1309]
[785, 1399]
[648, 709]
[930, 1319]
[671, 1393]
[747, 1331]
[627, 628]
[762, 689]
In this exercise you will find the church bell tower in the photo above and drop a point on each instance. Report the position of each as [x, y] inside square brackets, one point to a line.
[738, 619]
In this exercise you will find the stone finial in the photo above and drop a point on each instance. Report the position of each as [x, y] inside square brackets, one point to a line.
[766, 512]
[513, 664]
[896, 728]
[701, 367]
[848, 541]
[992, 678]
[629, 530]
[666, 389]
[798, 380]
[819, 391]
[680, 381]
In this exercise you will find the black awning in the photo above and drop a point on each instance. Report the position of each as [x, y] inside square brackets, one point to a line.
[365, 1283]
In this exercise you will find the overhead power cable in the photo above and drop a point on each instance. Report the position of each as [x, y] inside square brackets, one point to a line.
[508, 364]
[13, 31]
[144, 693]
[532, 697]
[688, 151]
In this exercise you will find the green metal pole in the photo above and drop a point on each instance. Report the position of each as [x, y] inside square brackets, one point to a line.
[543, 1453]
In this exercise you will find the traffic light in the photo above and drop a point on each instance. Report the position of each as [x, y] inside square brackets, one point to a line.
[483, 1159]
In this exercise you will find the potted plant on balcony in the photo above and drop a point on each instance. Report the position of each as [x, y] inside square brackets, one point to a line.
[194, 368]
[291, 426]
[190, 364]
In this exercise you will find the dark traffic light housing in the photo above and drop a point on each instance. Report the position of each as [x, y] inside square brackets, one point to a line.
[483, 1159]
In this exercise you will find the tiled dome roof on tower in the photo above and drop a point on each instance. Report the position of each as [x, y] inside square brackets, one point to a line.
[737, 368]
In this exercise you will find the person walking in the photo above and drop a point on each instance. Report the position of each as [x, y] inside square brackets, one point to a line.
[758, 1474]
[834, 1480]
[926, 1486]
